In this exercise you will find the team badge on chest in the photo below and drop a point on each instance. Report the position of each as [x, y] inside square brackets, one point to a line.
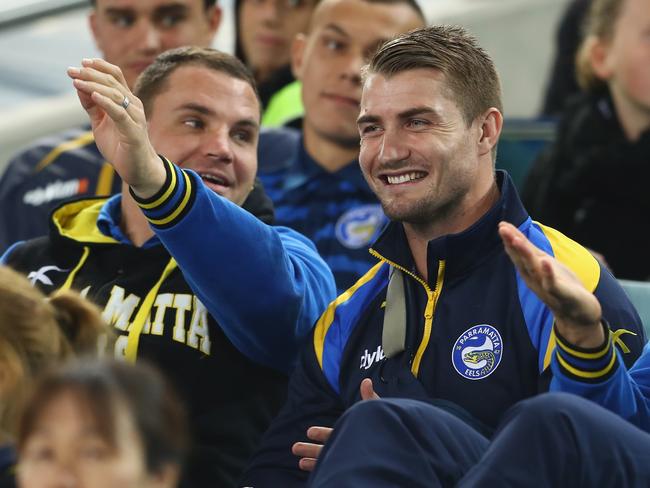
[358, 227]
[477, 352]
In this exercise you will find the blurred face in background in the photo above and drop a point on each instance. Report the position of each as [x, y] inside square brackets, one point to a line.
[67, 448]
[343, 34]
[131, 33]
[267, 29]
[624, 60]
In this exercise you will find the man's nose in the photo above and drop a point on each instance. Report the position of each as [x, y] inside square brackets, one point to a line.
[150, 38]
[351, 70]
[218, 146]
[393, 148]
[272, 10]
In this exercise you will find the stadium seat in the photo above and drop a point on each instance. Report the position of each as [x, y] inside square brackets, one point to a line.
[520, 143]
[639, 294]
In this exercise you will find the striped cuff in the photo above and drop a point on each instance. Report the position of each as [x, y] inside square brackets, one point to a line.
[176, 197]
[593, 365]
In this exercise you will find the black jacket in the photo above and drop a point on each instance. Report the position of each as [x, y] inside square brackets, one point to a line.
[592, 184]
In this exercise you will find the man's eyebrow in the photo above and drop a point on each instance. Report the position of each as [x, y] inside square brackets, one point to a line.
[203, 110]
[337, 29]
[113, 11]
[196, 107]
[367, 119]
[170, 8]
[250, 123]
[424, 110]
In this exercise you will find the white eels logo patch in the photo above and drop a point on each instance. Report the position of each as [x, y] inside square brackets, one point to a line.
[477, 352]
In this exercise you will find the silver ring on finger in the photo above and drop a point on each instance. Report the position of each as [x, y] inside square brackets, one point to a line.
[125, 103]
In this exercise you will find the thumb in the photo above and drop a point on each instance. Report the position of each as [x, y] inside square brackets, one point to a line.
[367, 391]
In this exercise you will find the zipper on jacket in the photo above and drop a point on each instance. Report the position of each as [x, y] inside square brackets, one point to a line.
[429, 309]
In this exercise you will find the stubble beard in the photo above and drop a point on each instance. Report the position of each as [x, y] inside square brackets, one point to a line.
[424, 213]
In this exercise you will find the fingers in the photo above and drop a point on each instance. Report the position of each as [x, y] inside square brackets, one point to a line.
[307, 464]
[105, 67]
[306, 449]
[308, 454]
[367, 391]
[319, 434]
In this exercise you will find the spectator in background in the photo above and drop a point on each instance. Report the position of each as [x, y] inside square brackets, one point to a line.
[36, 333]
[265, 31]
[130, 34]
[592, 184]
[562, 84]
[217, 299]
[96, 425]
[317, 187]
[444, 317]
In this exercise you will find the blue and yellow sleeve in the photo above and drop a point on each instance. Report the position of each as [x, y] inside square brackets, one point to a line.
[170, 204]
[588, 365]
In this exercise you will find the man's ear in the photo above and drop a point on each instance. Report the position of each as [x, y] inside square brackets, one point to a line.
[491, 123]
[214, 14]
[297, 55]
[598, 55]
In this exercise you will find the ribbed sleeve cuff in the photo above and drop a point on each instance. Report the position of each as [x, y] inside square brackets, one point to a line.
[586, 365]
[176, 197]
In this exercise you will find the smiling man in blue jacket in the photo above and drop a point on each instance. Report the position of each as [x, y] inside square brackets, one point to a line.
[216, 298]
[444, 316]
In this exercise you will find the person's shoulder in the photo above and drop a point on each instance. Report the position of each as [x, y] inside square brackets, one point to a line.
[77, 143]
[277, 149]
[569, 252]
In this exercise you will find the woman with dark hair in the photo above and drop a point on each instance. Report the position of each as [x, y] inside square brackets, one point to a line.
[102, 424]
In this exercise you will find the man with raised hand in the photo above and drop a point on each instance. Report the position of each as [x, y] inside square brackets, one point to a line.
[129, 34]
[444, 316]
[217, 299]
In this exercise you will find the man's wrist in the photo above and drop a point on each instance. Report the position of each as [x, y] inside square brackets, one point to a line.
[583, 336]
[152, 179]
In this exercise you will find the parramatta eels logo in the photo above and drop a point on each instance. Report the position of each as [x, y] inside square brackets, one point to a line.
[356, 228]
[477, 352]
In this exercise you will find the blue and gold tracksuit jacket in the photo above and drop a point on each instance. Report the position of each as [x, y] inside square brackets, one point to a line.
[478, 340]
[223, 318]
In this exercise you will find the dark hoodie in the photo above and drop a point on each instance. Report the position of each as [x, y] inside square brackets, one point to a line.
[592, 184]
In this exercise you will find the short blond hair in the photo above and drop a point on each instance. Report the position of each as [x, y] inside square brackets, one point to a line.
[599, 26]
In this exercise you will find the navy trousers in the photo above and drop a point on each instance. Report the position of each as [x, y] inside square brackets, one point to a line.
[553, 440]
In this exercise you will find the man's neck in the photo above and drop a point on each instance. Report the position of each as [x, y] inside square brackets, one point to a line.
[418, 236]
[634, 118]
[134, 225]
[327, 153]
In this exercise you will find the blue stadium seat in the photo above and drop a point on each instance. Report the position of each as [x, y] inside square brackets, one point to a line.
[521, 142]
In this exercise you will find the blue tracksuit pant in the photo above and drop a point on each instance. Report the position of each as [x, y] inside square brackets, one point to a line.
[553, 440]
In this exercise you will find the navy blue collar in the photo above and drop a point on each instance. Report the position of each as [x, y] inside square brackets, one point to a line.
[464, 250]
[304, 168]
[108, 223]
